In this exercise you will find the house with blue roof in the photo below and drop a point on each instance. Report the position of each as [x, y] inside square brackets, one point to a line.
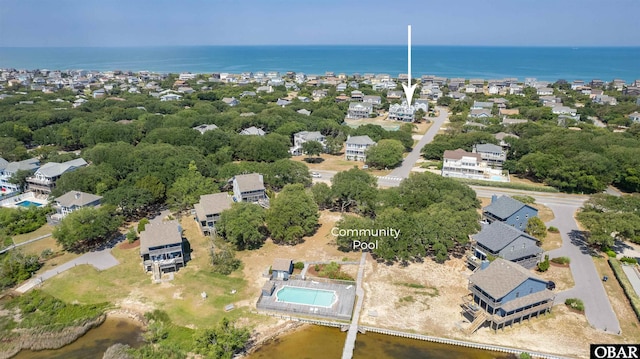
[510, 211]
[499, 239]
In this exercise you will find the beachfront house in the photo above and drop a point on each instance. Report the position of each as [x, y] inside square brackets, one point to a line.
[209, 208]
[504, 293]
[492, 154]
[249, 188]
[405, 112]
[508, 210]
[281, 268]
[359, 110]
[44, 179]
[73, 201]
[161, 247]
[499, 239]
[356, 147]
[8, 169]
[306, 136]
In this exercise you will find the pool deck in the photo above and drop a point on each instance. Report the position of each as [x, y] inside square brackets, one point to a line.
[341, 310]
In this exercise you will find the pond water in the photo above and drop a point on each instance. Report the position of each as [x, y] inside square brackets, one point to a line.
[317, 342]
[95, 342]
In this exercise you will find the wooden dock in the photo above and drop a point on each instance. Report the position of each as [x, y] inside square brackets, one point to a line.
[350, 342]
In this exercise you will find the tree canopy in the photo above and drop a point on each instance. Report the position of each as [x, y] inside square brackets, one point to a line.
[86, 227]
[293, 215]
[608, 218]
[243, 225]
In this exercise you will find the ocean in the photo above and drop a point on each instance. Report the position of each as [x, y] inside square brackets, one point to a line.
[543, 63]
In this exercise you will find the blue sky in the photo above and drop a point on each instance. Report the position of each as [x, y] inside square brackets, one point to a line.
[300, 22]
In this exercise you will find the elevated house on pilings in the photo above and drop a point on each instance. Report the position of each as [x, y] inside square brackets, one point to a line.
[504, 293]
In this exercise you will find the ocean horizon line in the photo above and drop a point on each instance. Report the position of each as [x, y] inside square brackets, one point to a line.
[329, 45]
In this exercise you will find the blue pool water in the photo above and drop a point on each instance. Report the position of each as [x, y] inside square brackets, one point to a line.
[306, 296]
[28, 204]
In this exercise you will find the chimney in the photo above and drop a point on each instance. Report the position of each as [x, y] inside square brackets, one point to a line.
[494, 198]
[77, 195]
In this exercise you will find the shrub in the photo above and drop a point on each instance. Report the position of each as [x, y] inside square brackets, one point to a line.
[544, 265]
[132, 235]
[524, 199]
[561, 260]
[553, 229]
[631, 294]
[46, 253]
[298, 265]
[143, 222]
[611, 253]
[629, 260]
[525, 355]
[575, 303]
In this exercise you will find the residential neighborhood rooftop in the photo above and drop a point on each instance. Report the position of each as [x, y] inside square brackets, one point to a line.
[158, 234]
[503, 206]
[77, 199]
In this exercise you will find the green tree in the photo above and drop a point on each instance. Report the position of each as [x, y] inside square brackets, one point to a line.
[293, 215]
[132, 235]
[152, 184]
[20, 178]
[223, 341]
[322, 195]
[243, 225]
[187, 189]
[385, 154]
[223, 257]
[536, 228]
[130, 201]
[544, 265]
[354, 190]
[16, 267]
[312, 148]
[142, 224]
[86, 227]
[348, 230]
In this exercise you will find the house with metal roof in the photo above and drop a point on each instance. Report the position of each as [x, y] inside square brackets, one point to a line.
[510, 211]
[73, 201]
[356, 147]
[161, 247]
[209, 208]
[499, 239]
[504, 293]
[249, 188]
[44, 179]
[305, 136]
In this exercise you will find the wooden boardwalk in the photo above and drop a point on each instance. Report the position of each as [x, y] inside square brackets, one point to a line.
[350, 342]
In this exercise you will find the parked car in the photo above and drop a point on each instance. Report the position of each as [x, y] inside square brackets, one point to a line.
[551, 285]
[316, 175]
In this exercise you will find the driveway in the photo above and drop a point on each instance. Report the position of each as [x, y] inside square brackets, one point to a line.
[101, 260]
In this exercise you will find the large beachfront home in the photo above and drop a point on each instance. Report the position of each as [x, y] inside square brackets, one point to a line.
[508, 210]
[209, 208]
[504, 293]
[249, 188]
[356, 147]
[462, 164]
[161, 247]
[499, 239]
[73, 201]
[405, 112]
[44, 179]
[8, 169]
[306, 136]
[281, 268]
[492, 154]
[359, 110]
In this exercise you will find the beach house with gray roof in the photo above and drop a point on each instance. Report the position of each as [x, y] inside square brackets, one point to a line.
[305, 136]
[508, 210]
[499, 239]
[252, 131]
[492, 154]
[281, 268]
[204, 128]
[73, 201]
[249, 188]
[359, 110]
[504, 293]
[44, 179]
[161, 247]
[209, 208]
[8, 169]
[356, 147]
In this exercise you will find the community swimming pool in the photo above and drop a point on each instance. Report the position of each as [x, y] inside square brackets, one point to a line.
[28, 204]
[307, 296]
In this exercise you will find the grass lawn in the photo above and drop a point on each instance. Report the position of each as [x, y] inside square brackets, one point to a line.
[46, 229]
[127, 285]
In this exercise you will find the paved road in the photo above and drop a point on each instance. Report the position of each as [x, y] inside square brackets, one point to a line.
[350, 342]
[101, 260]
[25, 243]
[588, 284]
[633, 275]
[411, 159]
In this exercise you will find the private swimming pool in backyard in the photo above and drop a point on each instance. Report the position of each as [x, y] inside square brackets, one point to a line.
[28, 204]
[307, 296]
